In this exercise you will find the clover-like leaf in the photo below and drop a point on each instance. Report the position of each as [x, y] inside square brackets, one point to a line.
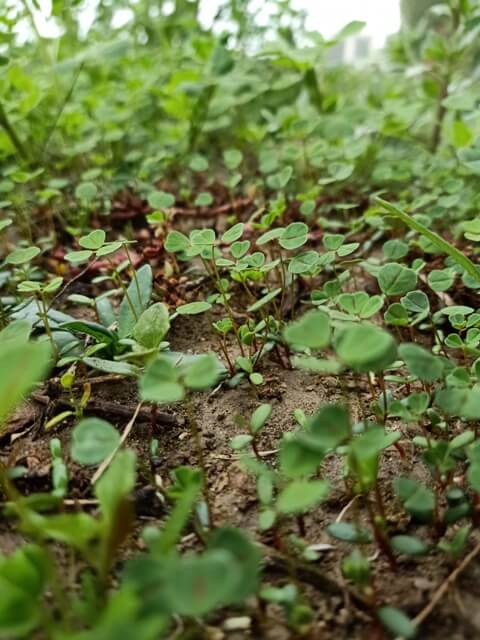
[93, 440]
[294, 236]
[22, 256]
[93, 240]
[366, 348]
[160, 382]
[396, 280]
[312, 330]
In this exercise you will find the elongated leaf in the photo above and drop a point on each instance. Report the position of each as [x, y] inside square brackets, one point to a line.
[441, 244]
[127, 316]
[21, 366]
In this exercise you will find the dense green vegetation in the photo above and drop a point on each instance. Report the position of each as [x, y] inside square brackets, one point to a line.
[318, 223]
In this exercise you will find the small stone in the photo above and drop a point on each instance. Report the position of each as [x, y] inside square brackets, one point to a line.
[237, 624]
[423, 584]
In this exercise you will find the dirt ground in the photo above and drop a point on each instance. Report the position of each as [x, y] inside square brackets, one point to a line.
[337, 616]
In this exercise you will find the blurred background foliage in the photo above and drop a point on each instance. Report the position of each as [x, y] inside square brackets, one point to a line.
[127, 106]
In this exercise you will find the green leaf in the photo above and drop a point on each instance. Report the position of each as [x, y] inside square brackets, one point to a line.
[201, 239]
[240, 441]
[198, 163]
[6, 222]
[356, 567]
[416, 303]
[471, 158]
[22, 364]
[333, 241]
[202, 373]
[303, 262]
[364, 454]
[301, 495]
[97, 331]
[294, 236]
[264, 300]
[234, 233]
[338, 171]
[196, 585]
[239, 249]
[111, 366]
[161, 200]
[259, 417]
[76, 257]
[397, 623]
[366, 348]
[73, 529]
[395, 279]
[232, 158]
[396, 315]
[21, 256]
[278, 181]
[29, 286]
[114, 489]
[126, 316]
[176, 242]
[409, 545]
[317, 365]
[348, 532]
[18, 331]
[312, 330]
[268, 236]
[23, 579]
[93, 440]
[152, 326]
[329, 427]
[193, 308]
[434, 238]
[441, 279]
[395, 249]
[420, 362]
[300, 455]
[160, 383]
[203, 199]
[246, 555]
[256, 378]
[86, 191]
[417, 499]
[185, 492]
[94, 240]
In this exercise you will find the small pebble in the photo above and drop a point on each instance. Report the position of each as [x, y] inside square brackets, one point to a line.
[237, 624]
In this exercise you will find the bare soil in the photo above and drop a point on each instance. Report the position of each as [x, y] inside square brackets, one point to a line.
[337, 615]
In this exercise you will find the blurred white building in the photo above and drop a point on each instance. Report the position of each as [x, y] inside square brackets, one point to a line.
[355, 50]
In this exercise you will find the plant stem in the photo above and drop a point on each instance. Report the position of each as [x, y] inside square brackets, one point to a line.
[12, 134]
[380, 538]
[228, 308]
[43, 313]
[224, 349]
[118, 279]
[440, 113]
[134, 276]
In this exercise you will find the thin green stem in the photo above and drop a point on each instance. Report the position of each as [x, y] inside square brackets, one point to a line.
[43, 313]
[118, 279]
[134, 276]
[12, 134]
[226, 303]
